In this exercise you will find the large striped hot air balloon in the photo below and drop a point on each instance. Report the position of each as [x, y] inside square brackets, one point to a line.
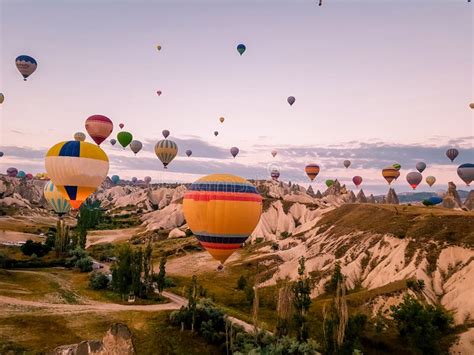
[26, 65]
[166, 150]
[79, 136]
[222, 211]
[77, 169]
[414, 178]
[452, 153]
[99, 127]
[390, 173]
[466, 172]
[55, 199]
[312, 170]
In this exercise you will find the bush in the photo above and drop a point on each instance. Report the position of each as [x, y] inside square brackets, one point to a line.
[30, 248]
[80, 259]
[275, 246]
[188, 232]
[84, 264]
[416, 285]
[284, 235]
[98, 281]
[241, 283]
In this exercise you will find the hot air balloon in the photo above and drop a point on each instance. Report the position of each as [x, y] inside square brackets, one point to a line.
[99, 128]
[432, 201]
[274, 153]
[390, 173]
[1, 154]
[77, 169]
[115, 179]
[397, 167]
[466, 172]
[414, 178]
[124, 138]
[452, 154]
[166, 150]
[26, 65]
[471, 105]
[222, 211]
[216, 133]
[357, 180]
[347, 163]
[2, 98]
[21, 174]
[136, 146]
[147, 179]
[291, 100]
[113, 141]
[275, 174]
[189, 152]
[29, 176]
[420, 166]
[234, 151]
[312, 170]
[12, 172]
[55, 199]
[165, 133]
[221, 119]
[158, 92]
[430, 180]
[121, 125]
[79, 136]
[158, 47]
[329, 182]
[134, 179]
[241, 48]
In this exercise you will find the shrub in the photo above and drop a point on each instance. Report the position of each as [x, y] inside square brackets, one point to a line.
[98, 281]
[284, 235]
[84, 264]
[188, 232]
[31, 247]
[275, 246]
[241, 282]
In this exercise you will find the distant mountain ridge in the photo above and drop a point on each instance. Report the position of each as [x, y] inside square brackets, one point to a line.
[406, 197]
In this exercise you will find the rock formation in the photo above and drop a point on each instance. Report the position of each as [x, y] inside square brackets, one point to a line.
[361, 197]
[310, 191]
[371, 199]
[334, 190]
[318, 194]
[392, 198]
[451, 198]
[351, 197]
[117, 341]
[469, 201]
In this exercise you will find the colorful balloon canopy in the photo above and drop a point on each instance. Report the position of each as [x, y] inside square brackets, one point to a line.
[166, 150]
[216, 133]
[221, 119]
[147, 179]
[115, 179]
[466, 172]
[414, 178]
[189, 152]
[158, 92]
[275, 174]
[2, 98]
[234, 151]
[291, 100]
[222, 211]
[274, 153]
[312, 170]
[26, 65]
[430, 180]
[165, 133]
[29, 176]
[357, 180]
[347, 163]
[397, 166]
[124, 138]
[390, 173]
[452, 153]
[121, 125]
[241, 48]
[420, 166]
[113, 141]
[432, 201]
[55, 199]
[329, 182]
[77, 169]
[136, 146]
[21, 174]
[79, 136]
[99, 127]
[12, 172]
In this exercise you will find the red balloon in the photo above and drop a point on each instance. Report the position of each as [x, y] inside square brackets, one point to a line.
[99, 128]
[357, 180]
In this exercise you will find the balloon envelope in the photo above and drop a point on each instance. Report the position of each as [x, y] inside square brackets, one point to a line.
[21, 174]
[124, 138]
[115, 179]
[189, 152]
[12, 172]
[55, 199]
[471, 105]
[430, 180]
[158, 47]
[435, 200]
[329, 182]
[274, 153]
[312, 170]
[222, 211]
[241, 48]
[158, 92]
[466, 173]
[77, 169]
[99, 127]
[147, 179]
[275, 174]
[234, 151]
[390, 173]
[420, 166]
[1, 154]
[29, 176]
[113, 141]
[291, 100]
[222, 119]
[165, 133]
[2, 98]
[134, 179]
[216, 133]
[121, 125]
[79, 136]
[166, 150]
[357, 180]
[347, 163]
[452, 154]
[26, 65]
[414, 178]
[397, 166]
[136, 146]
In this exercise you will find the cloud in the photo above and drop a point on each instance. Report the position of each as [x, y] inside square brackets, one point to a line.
[16, 131]
[200, 148]
[24, 152]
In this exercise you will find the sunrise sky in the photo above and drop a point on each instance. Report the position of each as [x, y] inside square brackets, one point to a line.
[376, 82]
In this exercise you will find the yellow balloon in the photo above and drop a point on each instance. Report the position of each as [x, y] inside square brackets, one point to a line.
[77, 169]
[2, 98]
[158, 47]
[166, 150]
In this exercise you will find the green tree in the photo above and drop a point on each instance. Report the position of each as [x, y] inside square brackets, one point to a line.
[193, 296]
[331, 285]
[137, 268]
[148, 266]
[422, 326]
[301, 300]
[161, 277]
[31, 247]
[90, 215]
[241, 282]
[122, 271]
[98, 281]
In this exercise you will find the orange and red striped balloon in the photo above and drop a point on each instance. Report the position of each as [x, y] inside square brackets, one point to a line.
[99, 128]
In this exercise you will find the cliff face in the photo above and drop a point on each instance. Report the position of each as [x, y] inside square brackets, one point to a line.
[451, 198]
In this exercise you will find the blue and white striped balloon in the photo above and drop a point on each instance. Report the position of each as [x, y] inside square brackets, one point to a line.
[55, 199]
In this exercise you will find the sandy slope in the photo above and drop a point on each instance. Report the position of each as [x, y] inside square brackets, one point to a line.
[15, 237]
[110, 236]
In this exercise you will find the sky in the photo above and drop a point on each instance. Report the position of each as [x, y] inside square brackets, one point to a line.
[376, 82]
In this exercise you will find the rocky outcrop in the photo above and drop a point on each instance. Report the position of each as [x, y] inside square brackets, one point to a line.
[319, 194]
[361, 197]
[335, 189]
[392, 198]
[371, 199]
[351, 197]
[165, 219]
[117, 341]
[451, 198]
[310, 191]
[469, 201]
[28, 191]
